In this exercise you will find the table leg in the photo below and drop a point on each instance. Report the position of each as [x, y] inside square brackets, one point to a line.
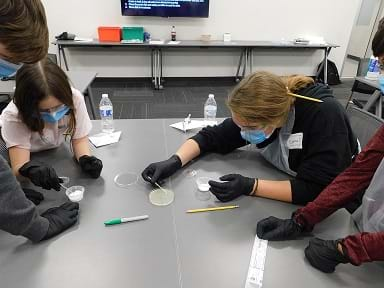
[158, 69]
[59, 54]
[237, 79]
[65, 58]
[245, 62]
[155, 70]
[326, 52]
[251, 60]
[152, 68]
[161, 80]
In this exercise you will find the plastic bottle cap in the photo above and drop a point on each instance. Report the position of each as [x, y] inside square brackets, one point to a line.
[104, 95]
[211, 96]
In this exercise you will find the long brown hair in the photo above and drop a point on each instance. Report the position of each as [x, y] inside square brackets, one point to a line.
[34, 83]
[23, 30]
[264, 98]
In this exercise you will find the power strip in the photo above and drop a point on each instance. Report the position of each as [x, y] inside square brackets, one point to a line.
[256, 265]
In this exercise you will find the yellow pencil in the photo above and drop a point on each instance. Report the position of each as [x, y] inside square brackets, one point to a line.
[212, 209]
[305, 97]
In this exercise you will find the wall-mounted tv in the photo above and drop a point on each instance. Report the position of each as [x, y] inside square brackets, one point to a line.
[166, 8]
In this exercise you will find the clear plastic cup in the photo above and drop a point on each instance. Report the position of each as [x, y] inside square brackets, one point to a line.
[75, 193]
[203, 188]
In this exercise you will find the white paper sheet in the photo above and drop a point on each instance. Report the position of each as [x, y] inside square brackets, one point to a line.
[103, 139]
[173, 42]
[156, 42]
[194, 124]
[82, 39]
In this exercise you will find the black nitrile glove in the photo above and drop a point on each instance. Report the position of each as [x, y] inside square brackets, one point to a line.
[324, 255]
[61, 218]
[235, 186]
[160, 170]
[91, 165]
[276, 229]
[34, 196]
[41, 175]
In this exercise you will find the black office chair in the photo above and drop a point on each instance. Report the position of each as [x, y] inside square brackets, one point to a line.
[358, 86]
[4, 100]
[3, 149]
[364, 124]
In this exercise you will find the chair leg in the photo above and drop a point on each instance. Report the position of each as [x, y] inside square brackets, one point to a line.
[349, 100]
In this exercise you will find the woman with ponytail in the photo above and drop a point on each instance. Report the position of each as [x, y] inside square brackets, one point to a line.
[297, 125]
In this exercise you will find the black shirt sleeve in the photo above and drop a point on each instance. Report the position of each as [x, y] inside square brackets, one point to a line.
[222, 138]
[328, 151]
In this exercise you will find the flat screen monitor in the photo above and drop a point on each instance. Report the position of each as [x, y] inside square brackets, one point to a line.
[166, 8]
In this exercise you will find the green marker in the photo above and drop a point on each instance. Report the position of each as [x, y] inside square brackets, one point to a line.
[124, 220]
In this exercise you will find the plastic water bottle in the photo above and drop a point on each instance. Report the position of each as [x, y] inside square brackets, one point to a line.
[210, 108]
[173, 33]
[106, 114]
[372, 63]
[373, 68]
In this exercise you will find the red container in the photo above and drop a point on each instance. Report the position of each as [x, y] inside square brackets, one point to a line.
[109, 34]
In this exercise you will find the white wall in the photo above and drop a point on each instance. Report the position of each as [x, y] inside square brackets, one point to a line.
[244, 19]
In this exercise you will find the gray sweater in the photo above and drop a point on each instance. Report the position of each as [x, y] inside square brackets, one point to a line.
[18, 215]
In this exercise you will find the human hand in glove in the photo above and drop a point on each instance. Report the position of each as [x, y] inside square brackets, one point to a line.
[160, 170]
[324, 254]
[91, 165]
[235, 186]
[41, 175]
[61, 218]
[276, 229]
[34, 196]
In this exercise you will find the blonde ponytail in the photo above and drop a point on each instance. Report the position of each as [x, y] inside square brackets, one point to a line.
[297, 82]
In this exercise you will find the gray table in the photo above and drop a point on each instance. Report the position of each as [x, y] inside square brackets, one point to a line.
[245, 61]
[81, 80]
[375, 99]
[171, 249]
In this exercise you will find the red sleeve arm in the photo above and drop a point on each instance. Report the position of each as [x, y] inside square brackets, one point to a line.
[364, 247]
[346, 186]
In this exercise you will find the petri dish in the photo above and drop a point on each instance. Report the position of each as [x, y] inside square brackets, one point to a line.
[75, 193]
[161, 197]
[125, 179]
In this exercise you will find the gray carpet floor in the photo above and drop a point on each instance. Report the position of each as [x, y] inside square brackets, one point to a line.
[135, 98]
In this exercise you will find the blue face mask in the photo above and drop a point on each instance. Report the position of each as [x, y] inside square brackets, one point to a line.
[8, 69]
[254, 136]
[53, 117]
